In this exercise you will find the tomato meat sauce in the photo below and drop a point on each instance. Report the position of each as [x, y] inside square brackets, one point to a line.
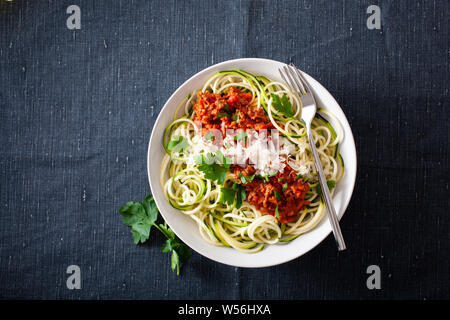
[283, 190]
[231, 110]
[237, 110]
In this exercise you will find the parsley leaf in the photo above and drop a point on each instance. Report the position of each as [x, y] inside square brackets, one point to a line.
[180, 252]
[235, 116]
[285, 186]
[166, 231]
[240, 195]
[209, 158]
[175, 262]
[250, 178]
[240, 136]
[230, 195]
[276, 213]
[282, 105]
[277, 194]
[304, 180]
[178, 144]
[330, 183]
[214, 171]
[222, 115]
[222, 159]
[198, 159]
[209, 136]
[247, 178]
[141, 217]
[264, 178]
[227, 195]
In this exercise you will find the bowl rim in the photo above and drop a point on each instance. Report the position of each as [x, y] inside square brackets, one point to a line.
[345, 125]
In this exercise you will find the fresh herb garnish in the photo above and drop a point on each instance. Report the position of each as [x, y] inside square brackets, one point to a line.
[266, 177]
[141, 217]
[227, 108]
[282, 105]
[330, 183]
[209, 136]
[247, 178]
[240, 194]
[178, 144]
[198, 159]
[235, 116]
[304, 179]
[222, 114]
[285, 186]
[273, 173]
[222, 159]
[212, 170]
[277, 194]
[230, 195]
[276, 213]
[240, 136]
[209, 158]
[227, 195]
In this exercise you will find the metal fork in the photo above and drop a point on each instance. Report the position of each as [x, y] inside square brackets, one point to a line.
[295, 80]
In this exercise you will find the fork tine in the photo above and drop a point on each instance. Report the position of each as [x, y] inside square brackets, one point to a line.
[286, 78]
[294, 85]
[282, 76]
[301, 78]
[296, 79]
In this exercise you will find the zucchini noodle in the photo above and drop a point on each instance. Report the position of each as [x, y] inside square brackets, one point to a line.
[243, 227]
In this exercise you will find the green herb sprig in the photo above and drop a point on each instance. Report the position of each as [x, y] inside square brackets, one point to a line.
[141, 217]
[282, 105]
[214, 171]
[330, 183]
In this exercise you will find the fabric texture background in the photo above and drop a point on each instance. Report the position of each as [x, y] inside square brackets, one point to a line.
[75, 121]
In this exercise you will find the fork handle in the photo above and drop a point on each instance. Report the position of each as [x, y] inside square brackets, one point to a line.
[326, 194]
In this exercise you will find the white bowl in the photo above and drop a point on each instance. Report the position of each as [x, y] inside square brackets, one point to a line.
[186, 229]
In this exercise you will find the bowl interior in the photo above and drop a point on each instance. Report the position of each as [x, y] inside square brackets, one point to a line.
[187, 230]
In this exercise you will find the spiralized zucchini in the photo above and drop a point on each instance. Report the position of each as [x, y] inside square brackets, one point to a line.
[245, 228]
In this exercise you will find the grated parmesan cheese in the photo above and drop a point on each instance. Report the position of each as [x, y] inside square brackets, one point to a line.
[264, 154]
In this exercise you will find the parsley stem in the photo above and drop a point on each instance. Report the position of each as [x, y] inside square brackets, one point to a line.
[162, 231]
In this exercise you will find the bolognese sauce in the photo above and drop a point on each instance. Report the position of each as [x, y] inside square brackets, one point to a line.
[281, 195]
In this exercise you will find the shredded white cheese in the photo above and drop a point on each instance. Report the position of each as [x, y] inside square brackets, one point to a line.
[265, 154]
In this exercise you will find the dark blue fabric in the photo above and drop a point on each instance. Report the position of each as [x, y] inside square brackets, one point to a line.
[75, 120]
